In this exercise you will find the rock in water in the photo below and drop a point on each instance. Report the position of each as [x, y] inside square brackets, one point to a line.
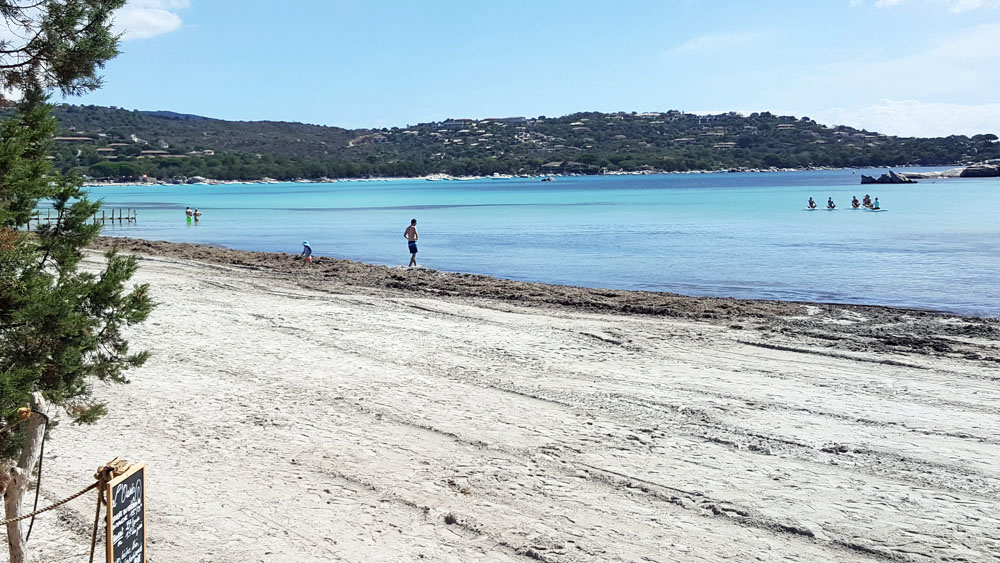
[890, 178]
[981, 171]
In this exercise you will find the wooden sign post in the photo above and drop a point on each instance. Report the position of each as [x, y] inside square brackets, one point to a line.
[126, 502]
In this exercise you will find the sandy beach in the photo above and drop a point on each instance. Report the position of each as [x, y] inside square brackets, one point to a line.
[349, 412]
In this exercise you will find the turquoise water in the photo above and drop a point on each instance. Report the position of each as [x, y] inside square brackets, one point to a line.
[936, 246]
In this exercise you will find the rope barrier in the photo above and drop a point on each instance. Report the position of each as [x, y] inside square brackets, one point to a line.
[104, 475]
[50, 507]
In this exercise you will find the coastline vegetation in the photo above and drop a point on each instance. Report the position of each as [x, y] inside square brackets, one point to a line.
[117, 144]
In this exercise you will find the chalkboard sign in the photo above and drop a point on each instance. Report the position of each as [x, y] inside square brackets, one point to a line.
[127, 517]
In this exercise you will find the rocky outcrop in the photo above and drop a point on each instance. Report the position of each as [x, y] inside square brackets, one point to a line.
[952, 173]
[987, 169]
[890, 178]
[981, 171]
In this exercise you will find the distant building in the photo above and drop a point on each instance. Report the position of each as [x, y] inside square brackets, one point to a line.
[72, 139]
[457, 123]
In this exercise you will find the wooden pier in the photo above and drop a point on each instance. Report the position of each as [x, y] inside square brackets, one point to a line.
[123, 216]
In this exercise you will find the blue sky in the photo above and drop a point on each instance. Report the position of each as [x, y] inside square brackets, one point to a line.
[910, 67]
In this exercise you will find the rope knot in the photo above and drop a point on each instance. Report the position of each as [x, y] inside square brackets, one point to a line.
[114, 468]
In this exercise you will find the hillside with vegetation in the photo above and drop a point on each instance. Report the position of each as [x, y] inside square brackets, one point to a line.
[112, 143]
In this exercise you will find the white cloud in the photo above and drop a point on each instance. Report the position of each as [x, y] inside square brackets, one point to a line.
[142, 19]
[956, 6]
[955, 69]
[967, 5]
[911, 118]
[713, 43]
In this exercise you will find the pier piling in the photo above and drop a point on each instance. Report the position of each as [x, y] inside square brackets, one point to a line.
[125, 216]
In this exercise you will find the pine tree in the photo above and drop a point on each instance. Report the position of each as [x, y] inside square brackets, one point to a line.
[61, 325]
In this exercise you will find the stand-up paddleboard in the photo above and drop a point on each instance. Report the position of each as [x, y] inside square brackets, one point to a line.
[875, 210]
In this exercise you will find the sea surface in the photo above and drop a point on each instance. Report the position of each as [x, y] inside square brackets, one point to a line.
[935, 246]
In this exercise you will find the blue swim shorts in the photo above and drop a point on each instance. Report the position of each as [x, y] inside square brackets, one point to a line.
[413, 247]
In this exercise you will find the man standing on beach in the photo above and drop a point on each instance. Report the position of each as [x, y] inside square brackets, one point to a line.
[411, 236]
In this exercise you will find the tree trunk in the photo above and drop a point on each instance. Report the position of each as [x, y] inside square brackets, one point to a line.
[21, 477]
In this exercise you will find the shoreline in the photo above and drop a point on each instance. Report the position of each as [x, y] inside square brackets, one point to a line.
[340, 275]
[448, 177]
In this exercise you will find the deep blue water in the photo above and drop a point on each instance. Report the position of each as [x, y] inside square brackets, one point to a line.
[936, 245]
